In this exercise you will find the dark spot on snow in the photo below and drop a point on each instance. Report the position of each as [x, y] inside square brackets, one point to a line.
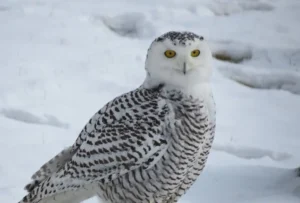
[4, 8]
[241, 6]
[223, 56]
[27, 117]
[298, 172]
[231, 52]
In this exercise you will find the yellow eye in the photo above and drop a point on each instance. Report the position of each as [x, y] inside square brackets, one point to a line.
[195, 53]
[170, 53]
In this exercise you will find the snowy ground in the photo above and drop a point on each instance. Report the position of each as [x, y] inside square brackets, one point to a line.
[60, 61]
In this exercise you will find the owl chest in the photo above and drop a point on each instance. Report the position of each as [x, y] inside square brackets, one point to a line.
[187, 153]
[180, 159]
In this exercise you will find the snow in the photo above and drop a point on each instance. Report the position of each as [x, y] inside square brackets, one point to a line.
[130, 24]
[27, 117]
[257, 62]
[251, 152]
[61, 62]
[233, 51]
[263, 78]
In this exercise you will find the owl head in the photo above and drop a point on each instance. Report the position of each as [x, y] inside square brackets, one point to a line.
[180, 59]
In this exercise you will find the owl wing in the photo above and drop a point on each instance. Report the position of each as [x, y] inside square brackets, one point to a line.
[50, 167]
[118, 148]
[127, 134]
[129, 106]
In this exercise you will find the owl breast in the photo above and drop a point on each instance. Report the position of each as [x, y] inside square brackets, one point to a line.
[191, 135]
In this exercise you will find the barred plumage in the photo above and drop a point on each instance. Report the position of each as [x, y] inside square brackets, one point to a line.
[148, 145]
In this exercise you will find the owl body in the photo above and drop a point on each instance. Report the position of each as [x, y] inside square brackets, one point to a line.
[145, 146]
[177, 169]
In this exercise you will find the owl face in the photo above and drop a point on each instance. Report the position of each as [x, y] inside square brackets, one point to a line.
[179, 58]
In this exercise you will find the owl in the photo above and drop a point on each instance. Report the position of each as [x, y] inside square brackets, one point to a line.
[148, 145]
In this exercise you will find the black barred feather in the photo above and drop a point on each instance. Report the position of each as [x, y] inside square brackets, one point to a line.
[50, 167]
[144, 146]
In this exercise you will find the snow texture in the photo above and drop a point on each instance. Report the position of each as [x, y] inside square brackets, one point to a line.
[257, 62]
[263, 78]
[130, 25]
[251, 152]
[238, 6]
[24, 116]
[61, 61]
[231, 51]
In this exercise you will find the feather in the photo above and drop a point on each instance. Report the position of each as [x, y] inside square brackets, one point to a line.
[52, 166]
[119, 138]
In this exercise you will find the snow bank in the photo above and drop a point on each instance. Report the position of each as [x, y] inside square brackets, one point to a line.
[271, 58]
[256, 184]
[275, 58]
[133, 25]
[262, 68]
[200, 10]
[263, 78]
[237, 6]
[231, 51]
[251, 152]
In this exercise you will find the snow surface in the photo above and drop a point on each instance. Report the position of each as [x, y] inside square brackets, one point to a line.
[262, 68]
[61, 61]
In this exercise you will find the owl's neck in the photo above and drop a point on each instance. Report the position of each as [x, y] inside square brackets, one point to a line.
[202, 91]
[198, 90]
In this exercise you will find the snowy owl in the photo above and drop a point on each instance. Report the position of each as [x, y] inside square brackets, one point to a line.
[145, 146]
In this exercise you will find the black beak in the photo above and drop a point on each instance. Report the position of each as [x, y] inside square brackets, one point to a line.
[184, 68]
